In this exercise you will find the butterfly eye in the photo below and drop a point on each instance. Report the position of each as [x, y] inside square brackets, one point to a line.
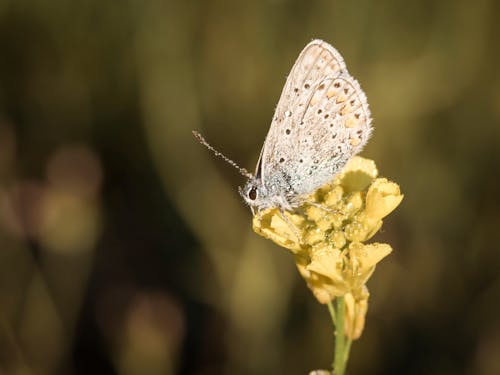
[252, 194]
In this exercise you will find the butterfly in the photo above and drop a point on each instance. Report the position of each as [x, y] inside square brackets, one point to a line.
[322, 119]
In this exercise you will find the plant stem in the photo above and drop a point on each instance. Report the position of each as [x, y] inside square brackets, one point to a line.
[331, 309]
[341, 349]
[347, 351]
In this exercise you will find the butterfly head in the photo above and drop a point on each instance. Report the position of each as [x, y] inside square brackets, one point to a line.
[260, 197]
[254, 193]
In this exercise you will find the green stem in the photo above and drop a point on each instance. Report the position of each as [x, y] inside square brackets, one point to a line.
[331, 309]
[347, 351]
[342, 344]
[338, 360]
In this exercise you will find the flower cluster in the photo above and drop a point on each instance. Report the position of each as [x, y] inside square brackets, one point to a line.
[327, 236]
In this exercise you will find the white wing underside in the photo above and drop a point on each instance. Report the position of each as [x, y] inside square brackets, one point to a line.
[321, 120]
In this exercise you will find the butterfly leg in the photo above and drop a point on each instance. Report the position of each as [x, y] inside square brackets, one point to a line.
[291, 225]
[329, 210]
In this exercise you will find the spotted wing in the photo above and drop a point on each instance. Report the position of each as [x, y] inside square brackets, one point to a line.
[303, 150]
[335, 127]
[317, 60]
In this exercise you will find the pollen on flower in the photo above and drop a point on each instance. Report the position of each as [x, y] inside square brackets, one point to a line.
[329, 234]
[333, 195]
[338, 239]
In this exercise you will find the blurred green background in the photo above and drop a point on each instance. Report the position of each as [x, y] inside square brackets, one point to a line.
[124, 246]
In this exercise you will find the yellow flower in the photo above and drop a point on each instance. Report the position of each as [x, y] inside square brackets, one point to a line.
[356, 307]
[327, 235]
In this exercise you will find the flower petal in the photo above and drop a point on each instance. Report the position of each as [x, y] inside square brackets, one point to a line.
[382, 198]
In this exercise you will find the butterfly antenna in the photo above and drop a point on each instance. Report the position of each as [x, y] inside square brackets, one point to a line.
[202, 140]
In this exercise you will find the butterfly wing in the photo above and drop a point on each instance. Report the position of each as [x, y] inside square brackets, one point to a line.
[317, 60]
[321, 120]
[335, 127]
